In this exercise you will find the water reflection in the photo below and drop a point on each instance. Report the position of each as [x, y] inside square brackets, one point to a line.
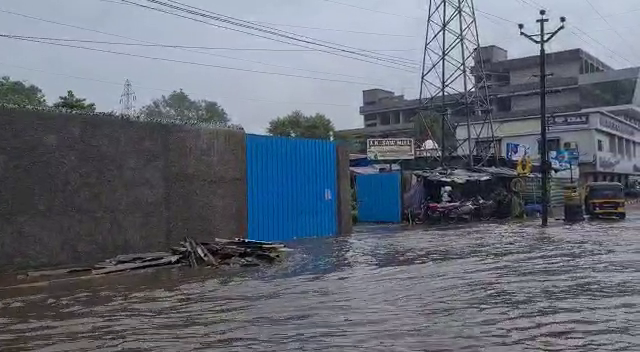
[496, 287]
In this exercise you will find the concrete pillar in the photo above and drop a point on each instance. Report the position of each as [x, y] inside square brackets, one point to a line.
[345, 225]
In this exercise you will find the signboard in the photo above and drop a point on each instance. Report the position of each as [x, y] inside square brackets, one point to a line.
[616, 126]
[567, 120]
[609, 162]
[564, 159]
[516, 151]
[390, 149]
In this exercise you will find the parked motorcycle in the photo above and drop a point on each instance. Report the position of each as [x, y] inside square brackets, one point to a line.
[483, 209]
[443, 212]
[464, 210]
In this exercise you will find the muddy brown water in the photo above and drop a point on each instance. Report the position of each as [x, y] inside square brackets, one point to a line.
[487, 287]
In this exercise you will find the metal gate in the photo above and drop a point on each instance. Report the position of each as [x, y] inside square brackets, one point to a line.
[379, 197]
[291, 188]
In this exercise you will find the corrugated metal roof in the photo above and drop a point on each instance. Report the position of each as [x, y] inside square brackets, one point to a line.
[464, 175]
[452, 175]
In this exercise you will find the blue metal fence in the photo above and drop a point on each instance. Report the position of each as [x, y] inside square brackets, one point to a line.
[379, 197]
[291, 188]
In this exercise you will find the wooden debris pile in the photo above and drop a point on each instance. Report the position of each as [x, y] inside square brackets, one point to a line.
[228, 252]
[238, 252]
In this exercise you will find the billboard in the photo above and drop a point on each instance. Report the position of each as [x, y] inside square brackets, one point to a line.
[390, 149]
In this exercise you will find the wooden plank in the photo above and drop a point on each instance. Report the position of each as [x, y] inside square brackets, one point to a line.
[172, 259]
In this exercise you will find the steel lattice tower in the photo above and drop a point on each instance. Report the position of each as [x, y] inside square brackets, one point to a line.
[453, 81]
[127, 99]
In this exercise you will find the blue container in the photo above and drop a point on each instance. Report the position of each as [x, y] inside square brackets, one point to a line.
[291, 188]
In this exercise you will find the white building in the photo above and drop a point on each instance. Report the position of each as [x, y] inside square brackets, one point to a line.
[593, 108]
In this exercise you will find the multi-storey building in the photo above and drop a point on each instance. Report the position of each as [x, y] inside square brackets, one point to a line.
[590, 106]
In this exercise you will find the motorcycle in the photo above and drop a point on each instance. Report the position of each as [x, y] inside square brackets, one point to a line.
[465, 210]
[483, 209]
[443, 212]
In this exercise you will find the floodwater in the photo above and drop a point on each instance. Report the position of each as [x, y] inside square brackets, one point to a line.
[483, 287]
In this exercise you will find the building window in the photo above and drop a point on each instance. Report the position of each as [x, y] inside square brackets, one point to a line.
[627, 148]
[385, 119]
[395, 117]
[600, 145]
[503, 104]
[408, 115]
[612, 144]
[635, 145]
[620, 146]
[487, 147]
[553, 144]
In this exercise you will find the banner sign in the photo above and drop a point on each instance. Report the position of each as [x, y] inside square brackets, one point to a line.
[616, 126]
[567, 120]
[390, 149]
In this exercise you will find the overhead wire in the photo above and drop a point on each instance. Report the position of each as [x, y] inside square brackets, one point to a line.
[270, 32]
[572, 30]
[629, 44]
[173, 46]
[369, 10]
[164, 90]
[176, 47]
[188, 62]
[306, 27]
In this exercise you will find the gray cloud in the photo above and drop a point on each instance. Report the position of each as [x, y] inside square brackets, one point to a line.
[253, 99]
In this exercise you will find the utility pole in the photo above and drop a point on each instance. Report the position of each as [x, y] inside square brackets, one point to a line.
[541, 39]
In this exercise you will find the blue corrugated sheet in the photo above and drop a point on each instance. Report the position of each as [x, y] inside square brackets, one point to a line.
[292, 186]
[379, 197]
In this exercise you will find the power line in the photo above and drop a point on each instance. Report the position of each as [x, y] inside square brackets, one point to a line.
[143, 44]
[305, 27]
[576, 28]
[372, 10]
[338, 30]
[189, 62]
[229, 19]
[597, 42]
[273, 32]
[163, 90]
[130, 38]
[609, 24]
[175, 47]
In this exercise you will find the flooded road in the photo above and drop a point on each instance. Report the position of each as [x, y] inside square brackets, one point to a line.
[487, 287]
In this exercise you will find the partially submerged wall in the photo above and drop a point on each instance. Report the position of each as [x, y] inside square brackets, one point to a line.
[77, 189]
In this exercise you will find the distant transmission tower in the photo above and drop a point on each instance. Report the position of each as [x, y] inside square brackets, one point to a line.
[127, 99]
[453, 84]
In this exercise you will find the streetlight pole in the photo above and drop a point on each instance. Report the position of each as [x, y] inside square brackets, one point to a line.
[541, 39]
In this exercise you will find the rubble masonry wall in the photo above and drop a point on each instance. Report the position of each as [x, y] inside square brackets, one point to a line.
[76, 189]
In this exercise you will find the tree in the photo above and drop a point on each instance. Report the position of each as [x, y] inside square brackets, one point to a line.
[178, 106]
[297, 124]
[73, 103]
[20, 93]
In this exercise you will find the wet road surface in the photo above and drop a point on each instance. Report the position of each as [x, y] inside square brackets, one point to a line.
[486, 287]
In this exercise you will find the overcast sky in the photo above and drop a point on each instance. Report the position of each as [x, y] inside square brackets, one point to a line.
[252, 99]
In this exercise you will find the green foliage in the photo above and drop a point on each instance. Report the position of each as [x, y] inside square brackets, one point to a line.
[178, 106]
[73, 103]
[20, 93]
[297, 124]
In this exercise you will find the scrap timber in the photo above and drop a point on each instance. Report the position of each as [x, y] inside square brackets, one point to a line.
[217, 253]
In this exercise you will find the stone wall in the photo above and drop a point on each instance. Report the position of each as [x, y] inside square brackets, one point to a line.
[77, 189]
